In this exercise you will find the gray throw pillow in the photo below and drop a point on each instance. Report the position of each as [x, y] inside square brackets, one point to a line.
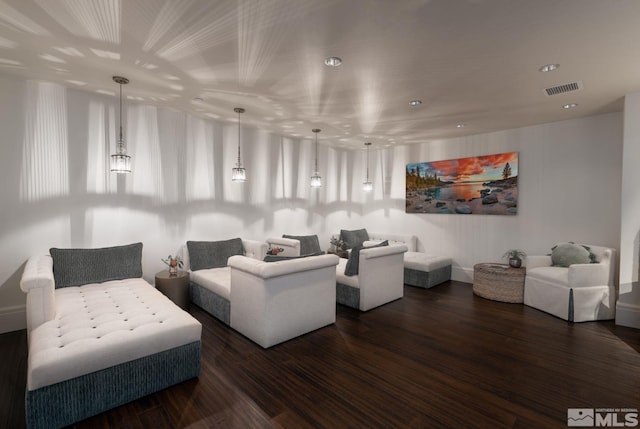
[276, 258]
[77, 267]
[353, 264]
[353, 238]
[565, 254]
[308, 243]
[213, 254]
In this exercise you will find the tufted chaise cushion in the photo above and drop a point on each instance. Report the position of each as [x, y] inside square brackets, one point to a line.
[98, 326]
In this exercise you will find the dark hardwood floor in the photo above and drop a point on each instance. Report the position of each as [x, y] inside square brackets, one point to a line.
[438, 358]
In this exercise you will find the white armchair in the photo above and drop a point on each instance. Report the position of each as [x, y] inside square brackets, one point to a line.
[579, 293]
[289, 246]
[272, 302]
[380, 278]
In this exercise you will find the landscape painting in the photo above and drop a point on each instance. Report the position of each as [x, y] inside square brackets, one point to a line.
[477, 185]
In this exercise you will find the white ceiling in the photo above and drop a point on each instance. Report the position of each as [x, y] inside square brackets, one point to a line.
[472, 62]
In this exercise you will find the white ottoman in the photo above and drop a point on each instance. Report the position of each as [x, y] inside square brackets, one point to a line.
[423, 270]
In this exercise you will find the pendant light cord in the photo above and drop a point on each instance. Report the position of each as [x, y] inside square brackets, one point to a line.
[316, 152]
[368, 161]
[238, 139]
[120, 141]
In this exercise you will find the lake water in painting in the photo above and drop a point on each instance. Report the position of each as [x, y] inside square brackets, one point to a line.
[454, 192]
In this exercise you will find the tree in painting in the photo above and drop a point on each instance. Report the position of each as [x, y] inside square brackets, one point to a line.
[506, 173]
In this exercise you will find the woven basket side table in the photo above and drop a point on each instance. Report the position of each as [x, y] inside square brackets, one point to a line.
[499, 282]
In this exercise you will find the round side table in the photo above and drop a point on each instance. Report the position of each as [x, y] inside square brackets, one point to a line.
[499, 282]
[340, 253]
[174, 286]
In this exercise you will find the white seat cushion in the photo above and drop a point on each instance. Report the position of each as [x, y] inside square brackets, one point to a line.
[423, 262]
[217, 280]
[98, 326]
[554, 275]
[341, 278]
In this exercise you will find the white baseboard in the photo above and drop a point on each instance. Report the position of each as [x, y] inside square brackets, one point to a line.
[13, 318]
[628, 306]
[462, 274]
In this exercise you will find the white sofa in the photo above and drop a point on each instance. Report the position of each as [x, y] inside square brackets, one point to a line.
[268, 302]
[272, 302]
[210, 288]
[96, 346]
[579, 293]
[379, 280]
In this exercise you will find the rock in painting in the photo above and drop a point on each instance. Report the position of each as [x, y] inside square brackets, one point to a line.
[490, 199]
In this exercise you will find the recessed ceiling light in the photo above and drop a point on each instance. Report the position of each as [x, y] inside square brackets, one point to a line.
[570, 105]
[460, 126]
[415, 102]
[332, 61]
[548, 67]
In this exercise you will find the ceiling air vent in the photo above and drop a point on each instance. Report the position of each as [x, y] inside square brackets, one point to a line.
[564, 88]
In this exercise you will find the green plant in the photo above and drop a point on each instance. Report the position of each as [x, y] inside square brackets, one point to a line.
[514, 254]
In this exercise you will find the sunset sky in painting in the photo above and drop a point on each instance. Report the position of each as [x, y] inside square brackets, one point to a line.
[474, 169]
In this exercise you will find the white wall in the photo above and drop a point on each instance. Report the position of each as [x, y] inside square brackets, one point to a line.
[630, 213]
[628, 305]
[57, 190]
[569, 190]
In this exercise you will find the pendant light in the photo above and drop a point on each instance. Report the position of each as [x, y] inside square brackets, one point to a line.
[367, 185]
[120, 161]
[238, 174]
[316, 179]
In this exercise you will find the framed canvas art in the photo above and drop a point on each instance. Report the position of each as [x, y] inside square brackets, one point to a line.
[477, 185]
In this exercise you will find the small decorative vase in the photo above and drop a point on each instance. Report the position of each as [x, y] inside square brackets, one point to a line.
[515, 262]
[173, 270]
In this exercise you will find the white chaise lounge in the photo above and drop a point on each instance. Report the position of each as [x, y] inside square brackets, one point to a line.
[420, 269]
[268, 302]
[94, 344]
